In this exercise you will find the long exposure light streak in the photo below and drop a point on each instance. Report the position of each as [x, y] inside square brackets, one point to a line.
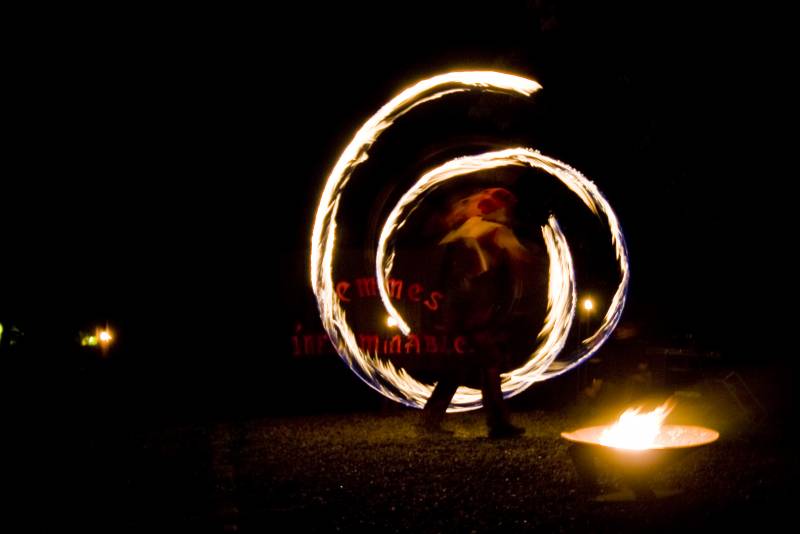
[543, 363]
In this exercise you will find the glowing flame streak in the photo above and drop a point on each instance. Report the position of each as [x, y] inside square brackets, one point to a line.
[382, 375]
[635, 430]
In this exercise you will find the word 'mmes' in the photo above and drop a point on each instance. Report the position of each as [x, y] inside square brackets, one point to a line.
[368, 287]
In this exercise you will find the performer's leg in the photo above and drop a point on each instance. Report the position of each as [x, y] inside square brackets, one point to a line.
[436, 407]
[498, 417]
[497, 414]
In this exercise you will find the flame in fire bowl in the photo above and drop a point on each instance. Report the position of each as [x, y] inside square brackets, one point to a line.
[620, 447]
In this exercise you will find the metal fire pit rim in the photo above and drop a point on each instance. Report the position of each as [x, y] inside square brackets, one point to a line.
[574, 437]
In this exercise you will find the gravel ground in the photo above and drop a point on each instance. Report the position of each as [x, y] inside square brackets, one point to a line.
[372, 472]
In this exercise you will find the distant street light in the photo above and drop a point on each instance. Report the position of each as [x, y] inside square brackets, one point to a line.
[102, 337]
[587, 306]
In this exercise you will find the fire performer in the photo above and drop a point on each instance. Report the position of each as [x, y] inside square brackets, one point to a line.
[482, 271]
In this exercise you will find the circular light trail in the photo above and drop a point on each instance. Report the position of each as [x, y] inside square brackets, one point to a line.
[543, 363]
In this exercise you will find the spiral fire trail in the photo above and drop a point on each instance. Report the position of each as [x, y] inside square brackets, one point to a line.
[543, 363]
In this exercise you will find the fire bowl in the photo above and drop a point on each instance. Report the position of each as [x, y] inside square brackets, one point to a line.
[636, 467]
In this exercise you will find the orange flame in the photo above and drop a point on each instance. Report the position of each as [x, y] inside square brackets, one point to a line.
[635, 430]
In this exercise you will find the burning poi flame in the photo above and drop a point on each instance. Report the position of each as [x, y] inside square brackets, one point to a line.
[635, 430]
[381, 374]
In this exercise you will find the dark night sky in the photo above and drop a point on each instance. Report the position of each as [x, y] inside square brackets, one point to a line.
[166, 165]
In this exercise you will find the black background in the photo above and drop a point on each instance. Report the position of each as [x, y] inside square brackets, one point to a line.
[163, 167]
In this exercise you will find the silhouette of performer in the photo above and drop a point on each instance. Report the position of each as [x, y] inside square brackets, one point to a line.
[482, 262]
